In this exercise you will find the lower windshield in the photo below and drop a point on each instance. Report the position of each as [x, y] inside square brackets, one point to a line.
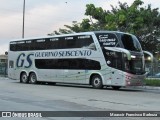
[135, 66]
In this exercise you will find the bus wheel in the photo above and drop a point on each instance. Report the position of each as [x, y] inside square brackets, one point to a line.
[33, 78]
[116, 87]
[97, 82]
[24, 78]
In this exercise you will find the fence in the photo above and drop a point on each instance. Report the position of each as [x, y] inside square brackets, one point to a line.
[3, 69]
[152, 68]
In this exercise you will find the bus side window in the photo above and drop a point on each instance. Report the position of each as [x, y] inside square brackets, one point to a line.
[85, 41]
[92, 65]
[113, 59]
[12, 47]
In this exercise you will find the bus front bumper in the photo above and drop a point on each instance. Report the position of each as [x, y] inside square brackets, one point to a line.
[134, 80]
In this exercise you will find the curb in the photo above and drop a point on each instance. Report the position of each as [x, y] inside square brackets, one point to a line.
[149, 87]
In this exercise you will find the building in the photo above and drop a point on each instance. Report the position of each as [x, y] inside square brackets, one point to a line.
[3, 64]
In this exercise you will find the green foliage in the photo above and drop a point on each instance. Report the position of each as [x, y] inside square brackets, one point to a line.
[144, 22]
[152, 82]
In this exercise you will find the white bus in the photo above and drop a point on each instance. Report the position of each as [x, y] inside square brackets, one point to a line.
[102, 58]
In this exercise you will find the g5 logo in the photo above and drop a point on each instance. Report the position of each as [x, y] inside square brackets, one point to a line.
[22, 58]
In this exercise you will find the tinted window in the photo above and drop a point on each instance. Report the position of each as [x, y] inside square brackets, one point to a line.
[114, 59]
[78, 64]
[136, 67]
[131, 43]
[80, 41]
[107, 40]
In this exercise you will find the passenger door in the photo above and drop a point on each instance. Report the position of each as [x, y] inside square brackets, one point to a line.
[116, 73]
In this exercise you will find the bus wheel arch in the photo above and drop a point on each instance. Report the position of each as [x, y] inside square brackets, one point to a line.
[24, 77]
[32, 78]
[96, 81]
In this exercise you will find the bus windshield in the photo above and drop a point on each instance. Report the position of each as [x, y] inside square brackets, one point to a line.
[130, 42]
[126, 41]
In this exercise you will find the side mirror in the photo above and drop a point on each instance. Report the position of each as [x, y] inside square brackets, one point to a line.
[6, 53]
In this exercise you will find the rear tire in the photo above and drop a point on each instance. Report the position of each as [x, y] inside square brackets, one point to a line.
[24, 78]
[33, 78]
[96, 82]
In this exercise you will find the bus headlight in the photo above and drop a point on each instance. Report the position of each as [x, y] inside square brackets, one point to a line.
[132, 56]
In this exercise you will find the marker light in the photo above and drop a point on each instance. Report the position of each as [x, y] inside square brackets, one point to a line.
[132, 56]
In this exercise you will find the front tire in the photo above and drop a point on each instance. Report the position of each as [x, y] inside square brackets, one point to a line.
[33, 78]
[97, 82]
[24, 78]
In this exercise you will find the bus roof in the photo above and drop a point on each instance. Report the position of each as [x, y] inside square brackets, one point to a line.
[63, 35]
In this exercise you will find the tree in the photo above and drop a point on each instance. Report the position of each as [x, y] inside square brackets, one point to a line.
[144, 22]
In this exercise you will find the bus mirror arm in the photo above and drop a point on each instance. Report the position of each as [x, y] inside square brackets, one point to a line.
[128, 55]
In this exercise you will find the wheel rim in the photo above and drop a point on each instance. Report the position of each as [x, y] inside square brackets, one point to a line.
[24, 78]
[33, 78]
[97, 81]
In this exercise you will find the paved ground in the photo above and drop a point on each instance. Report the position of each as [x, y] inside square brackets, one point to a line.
[15, 96]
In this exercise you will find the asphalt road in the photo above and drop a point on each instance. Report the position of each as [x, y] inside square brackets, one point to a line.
[15, 96]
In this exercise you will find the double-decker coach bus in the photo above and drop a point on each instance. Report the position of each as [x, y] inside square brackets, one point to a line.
[101, 58]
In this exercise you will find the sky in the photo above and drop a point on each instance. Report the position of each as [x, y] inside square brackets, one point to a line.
[45, 16]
